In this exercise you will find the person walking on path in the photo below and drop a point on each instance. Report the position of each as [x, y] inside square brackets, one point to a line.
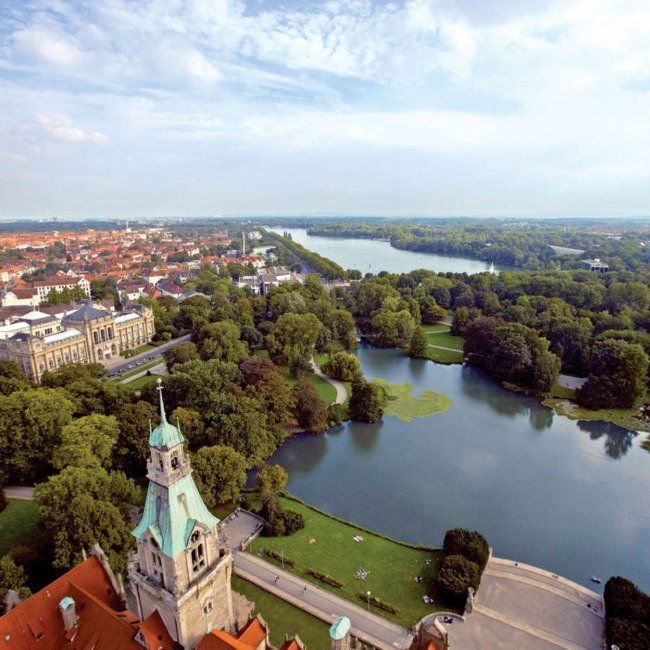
[277, 579]
[304, 590]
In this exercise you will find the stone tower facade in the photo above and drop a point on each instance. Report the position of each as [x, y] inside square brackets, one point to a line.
[180, 568]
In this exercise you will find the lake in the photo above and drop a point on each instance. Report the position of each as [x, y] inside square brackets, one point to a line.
[567, 496]
[373, 256]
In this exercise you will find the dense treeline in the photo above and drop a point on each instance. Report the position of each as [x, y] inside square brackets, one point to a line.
[292, 253]
[627, 611]
[525, 245]
[524, 327]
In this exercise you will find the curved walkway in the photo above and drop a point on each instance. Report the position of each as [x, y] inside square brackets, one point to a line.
[341, 393]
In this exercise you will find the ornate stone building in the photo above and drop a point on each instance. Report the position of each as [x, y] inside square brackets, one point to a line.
[40, 342]
[180, 568]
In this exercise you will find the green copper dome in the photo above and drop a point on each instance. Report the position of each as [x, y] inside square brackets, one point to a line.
[165, 434]
[340, 628]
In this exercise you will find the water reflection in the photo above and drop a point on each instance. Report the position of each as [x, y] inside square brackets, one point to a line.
[305, 454]
[364, 436]
[618, 441]
[541, 418]
[480, 387]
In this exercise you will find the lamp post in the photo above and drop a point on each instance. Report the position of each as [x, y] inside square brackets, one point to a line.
[368, 601]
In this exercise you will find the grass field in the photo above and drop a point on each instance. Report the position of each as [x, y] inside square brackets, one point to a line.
[283, 618]
[445, 356]
[447, 340]
[438, 327]
[18, 523]
[391, 567]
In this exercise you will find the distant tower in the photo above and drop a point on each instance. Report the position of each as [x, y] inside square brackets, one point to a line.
[179, 568]
[243, 241]
[340, 633]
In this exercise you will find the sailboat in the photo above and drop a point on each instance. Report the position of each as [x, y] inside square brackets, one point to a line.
[491, 268]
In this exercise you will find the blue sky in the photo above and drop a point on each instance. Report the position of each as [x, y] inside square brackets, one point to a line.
[132, 108]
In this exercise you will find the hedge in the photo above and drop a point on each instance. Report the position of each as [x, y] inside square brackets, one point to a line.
[377, 602]
[279, 557]
[470, 544]
[457, 574]
[323, 577]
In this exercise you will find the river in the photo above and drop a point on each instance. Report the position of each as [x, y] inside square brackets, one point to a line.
[373, 255]
[568, 496]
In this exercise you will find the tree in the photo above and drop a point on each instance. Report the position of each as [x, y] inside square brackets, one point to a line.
[311, 411]
[271, 479]
[430, 311]
[456, 575]
[392, 328]
[618, 375]
[342, 366]
[80, 507]
[222, 341]
[191, 426]
[220, 474]
[419, 344]
[264, 380]
[31, 422]
[132, 449]
[294, 335]
[87, 442]
[12, 577]
[12, 378]
[366, 403]
[181, 353]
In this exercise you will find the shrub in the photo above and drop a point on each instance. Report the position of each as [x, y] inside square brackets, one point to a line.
[323, 577]
[335, 413]
[470, 544]
[342, 366]
[301, 366]
[457, 574]
[627, 609]
[377, 602]
[279, 558]
[293, 522]
[280, 522]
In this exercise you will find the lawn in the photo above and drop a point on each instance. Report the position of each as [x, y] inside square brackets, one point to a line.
[626, 418]
[18, 524]
[445, 356]
[438, 327]
[447, 340]
[143, 348]
[283, 618]
[391, 567]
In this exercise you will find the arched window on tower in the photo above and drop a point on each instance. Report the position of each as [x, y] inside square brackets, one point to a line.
[198, 553]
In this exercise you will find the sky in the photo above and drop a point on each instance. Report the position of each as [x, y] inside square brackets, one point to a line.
[128, 108]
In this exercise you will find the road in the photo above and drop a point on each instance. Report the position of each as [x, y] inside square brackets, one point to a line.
[148, 355]
[322, 604]
[22, 493]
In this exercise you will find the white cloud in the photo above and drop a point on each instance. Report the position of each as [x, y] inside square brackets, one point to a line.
[65, 132]
[48, 47]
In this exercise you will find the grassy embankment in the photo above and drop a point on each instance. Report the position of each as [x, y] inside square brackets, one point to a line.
[439, 334]
[325, 390]
[391, 566]
[561, 401]
[283, 618]
[18, 523]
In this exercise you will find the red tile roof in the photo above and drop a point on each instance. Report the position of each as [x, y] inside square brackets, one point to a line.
[248, 639]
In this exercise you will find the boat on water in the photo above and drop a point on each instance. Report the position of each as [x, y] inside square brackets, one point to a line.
[491, 269]
[597, 580]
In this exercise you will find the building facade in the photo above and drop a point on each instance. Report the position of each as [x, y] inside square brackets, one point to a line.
[39, 342]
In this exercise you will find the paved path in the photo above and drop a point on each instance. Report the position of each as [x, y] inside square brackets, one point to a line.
[322, 604]
[442, 347]
[341, 393]
[22, 493]
[571, 382]
[520, 606]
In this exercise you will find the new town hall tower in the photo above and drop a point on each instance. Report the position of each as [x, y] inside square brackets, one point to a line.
[180, 568]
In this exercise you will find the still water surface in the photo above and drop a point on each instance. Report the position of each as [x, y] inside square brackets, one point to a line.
[571, 497]
[373, 256]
